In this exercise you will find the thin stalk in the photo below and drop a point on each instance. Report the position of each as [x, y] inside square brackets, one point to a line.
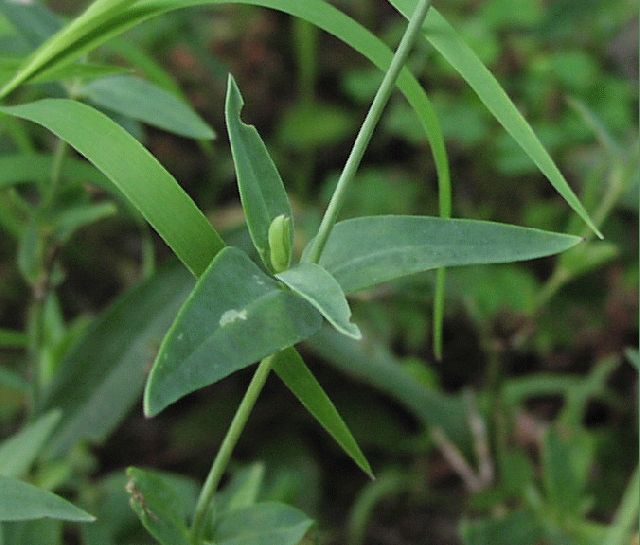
[228, 444]
[366, 131]
[59, 155]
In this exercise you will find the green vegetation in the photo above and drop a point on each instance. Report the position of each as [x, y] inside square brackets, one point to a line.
[466, 381]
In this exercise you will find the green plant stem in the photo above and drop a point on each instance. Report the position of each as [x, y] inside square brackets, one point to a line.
[228, 444]
[59, 155]
[366, 130]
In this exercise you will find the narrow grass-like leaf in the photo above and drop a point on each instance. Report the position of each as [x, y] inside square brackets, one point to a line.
[23, 501]
[261, 188]
[449, 43]
[372, 363]
[291, 369]
[18, 453]
[22, 168]
[138, 174]
[235, 316]
[54, 48]
[103, 375]
[158, 506]
[366, 251]
[322, 290]
[138, 99]
[13, 339]
[262, 524]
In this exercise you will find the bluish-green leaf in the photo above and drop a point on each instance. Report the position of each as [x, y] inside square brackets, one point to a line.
[136, 172]
[23, 501]
[159, 506]
[138, 99]
[235, 316]
[103, 375]
[291, 369]
[18, 453]
[366, 251]
[322, 290]
[261, 188]
[262, 524]
[448, 42]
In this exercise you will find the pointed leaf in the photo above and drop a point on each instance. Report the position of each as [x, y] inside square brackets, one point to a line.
[138, 99]
[291, 369]
[235, 316]
[261, 188]
[103, 374]
[366, 251]
[322, 290]
[262, 524]
[449, 43]
[136, 172]
[23, 501]
[18, 453]
[159, 506]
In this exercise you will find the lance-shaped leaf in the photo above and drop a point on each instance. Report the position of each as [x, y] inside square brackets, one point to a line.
[162, 503]
[235, 316]
[18, 453]
[261, 188]
[291, 369]
[448, 42]
[23, 501]
[322, 290]
[262, 524]
[137, 173]
[366, 251]
[138, 99]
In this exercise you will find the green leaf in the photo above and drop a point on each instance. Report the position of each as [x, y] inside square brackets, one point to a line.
[18, 453]
[262, 524]
[519, 527]
[261, 188]
[316, 285]
[371, 362]
[242, 490]
[23, 501]
[633, 356]
[21, 168]
[54, 48]
[449, 43]
[33, 21]
[103, 375]
[135, 171]
[235, 316]
[363, 252]
[291, 369]
[69, 220]
[79, 71]
[566, 463]
[138, 99]
[13, 339]
[159, 506]
[29, 532]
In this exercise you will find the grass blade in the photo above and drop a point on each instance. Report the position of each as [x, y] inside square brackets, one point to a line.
[138, 174]
[449, 43]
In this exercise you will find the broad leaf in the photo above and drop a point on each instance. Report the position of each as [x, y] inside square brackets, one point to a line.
[235, 316]
[138, 99]
[138, 174]
[363, 252]
[242, 490]
[103, 375]
[29, 532]
[291, 369]
[159, 506]
[519, 527]
[261, 188]
[262, 524]
[18, 453]
[23, 501]
[322, 290]
[33, 21]
[447, 41]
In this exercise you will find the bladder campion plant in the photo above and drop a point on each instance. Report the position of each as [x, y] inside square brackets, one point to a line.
[240, 311]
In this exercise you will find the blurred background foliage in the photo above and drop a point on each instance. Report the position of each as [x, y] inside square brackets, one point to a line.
[537, 362]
